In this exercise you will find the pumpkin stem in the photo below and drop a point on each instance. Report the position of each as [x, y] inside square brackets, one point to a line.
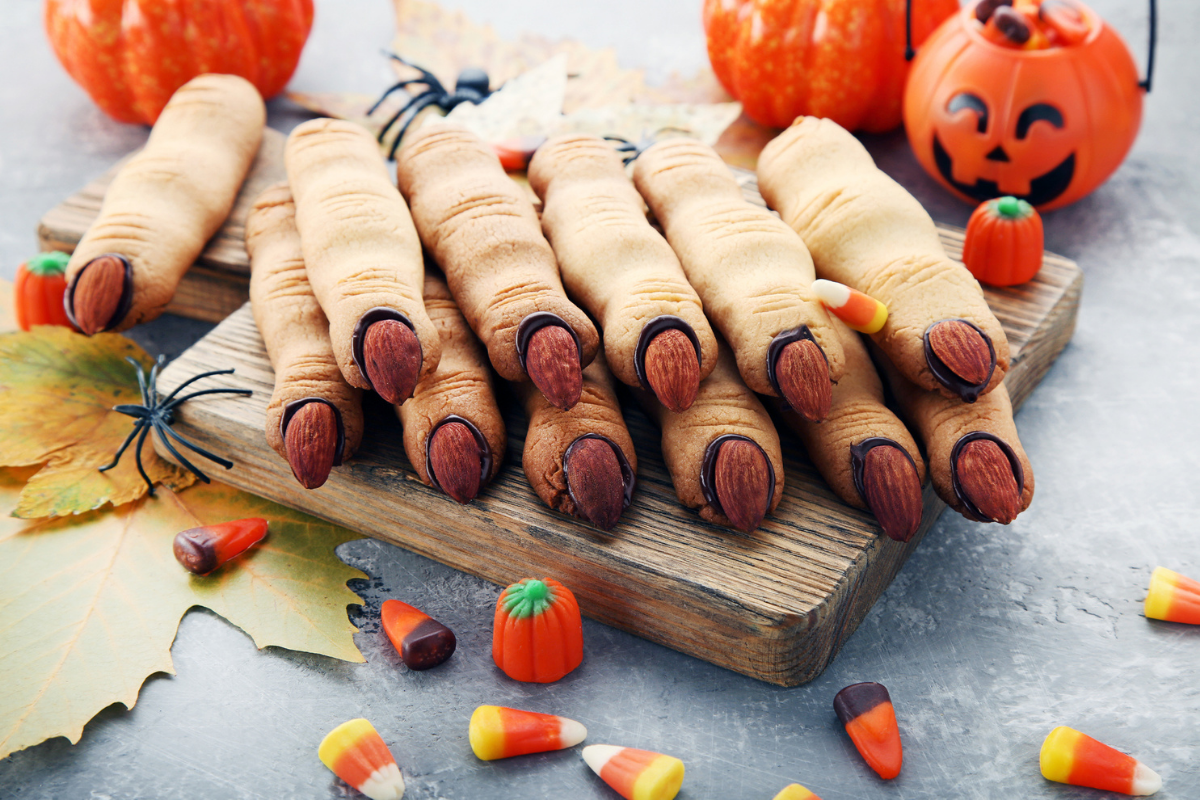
[48, 265]
[1012, 208]
[527, 598]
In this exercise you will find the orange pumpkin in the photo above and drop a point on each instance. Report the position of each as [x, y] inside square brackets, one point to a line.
[538, 634]
[131, 55]
[841, 59]
[38, 291]
[1045, 125]
[1004, 242]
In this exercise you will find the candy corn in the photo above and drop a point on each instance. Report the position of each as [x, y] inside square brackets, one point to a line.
[1069, 756]
[860, 311]
[866, 711]
[356, 754]
[1173, 597]
[201, 550]
[499, 732]
[421, 641]
[795, 792]
[635, 774]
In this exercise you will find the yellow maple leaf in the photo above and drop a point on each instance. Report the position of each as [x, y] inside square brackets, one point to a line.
[57, 391]
[89, 604]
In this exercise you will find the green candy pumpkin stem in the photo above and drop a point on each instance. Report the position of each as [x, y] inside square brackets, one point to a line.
[1012, 208]
[48, 265]
[528, 598]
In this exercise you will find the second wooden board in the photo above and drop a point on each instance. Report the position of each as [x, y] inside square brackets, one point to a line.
[776, 604]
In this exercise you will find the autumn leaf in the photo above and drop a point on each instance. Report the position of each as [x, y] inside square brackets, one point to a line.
[57, 390]
[90, 604]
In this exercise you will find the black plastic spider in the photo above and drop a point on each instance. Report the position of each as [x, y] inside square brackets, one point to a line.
[159, 416]
[634, 149]
[473, 87]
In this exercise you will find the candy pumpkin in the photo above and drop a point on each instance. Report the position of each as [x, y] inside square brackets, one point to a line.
[538, 634]
[1046, 125]
[841, 59]
[1004, 242]
[38, 291]
[131, 55]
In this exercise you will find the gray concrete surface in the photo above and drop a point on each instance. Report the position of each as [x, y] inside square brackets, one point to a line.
[989, 637]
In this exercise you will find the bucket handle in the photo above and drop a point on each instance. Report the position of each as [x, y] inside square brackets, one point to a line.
[909, 52]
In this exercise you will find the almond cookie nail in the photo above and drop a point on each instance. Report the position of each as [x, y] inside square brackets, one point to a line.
[314, 419]
[165, 204]
[363, 257]
[976, 461]
[621, 270]
[752, 272]
[485, 235]
[723, 453]
[581, 461]
[453, 432]
[862, 450]
[864, 230]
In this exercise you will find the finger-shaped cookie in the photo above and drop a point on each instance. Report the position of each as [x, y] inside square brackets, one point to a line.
[862, 450]
[165, 204]
[581, 461]
[864, 230]
[485, 235]
[453, 431]
[752, 272]
[621, 270]
[976, 461]
[315, 417]
[363, 257]
[723, 453]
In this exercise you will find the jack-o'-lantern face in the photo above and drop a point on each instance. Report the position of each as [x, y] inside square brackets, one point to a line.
[1046, 126]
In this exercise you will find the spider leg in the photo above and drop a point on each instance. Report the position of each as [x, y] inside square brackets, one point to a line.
[141, 378]
[171, 405]
[415, 108]
[192, 380]
[137, 453]
[226, 463]
[132, 410]
[420, 101]
[162, 437]
[394, 88]
[427, 77]
[137, 426]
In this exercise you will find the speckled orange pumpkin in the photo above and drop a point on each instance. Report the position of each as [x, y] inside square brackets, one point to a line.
[841, 59]
[1045, 125]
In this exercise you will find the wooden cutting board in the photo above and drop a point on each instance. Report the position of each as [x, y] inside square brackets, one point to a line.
[777, 604]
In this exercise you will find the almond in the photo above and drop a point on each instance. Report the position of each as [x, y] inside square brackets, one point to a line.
[552, 363]
[98, 292]
[455, 463]
[985, 477]
[311, 439]
[742, 480]
[963, 350]
[392, 359]
[803, 377]
[893, 491]
[672, 369]
[594, 480]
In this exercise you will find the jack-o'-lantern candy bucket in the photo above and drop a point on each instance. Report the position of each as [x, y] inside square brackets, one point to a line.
[1038, 99]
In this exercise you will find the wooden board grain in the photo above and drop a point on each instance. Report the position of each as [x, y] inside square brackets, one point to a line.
[776, 605]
